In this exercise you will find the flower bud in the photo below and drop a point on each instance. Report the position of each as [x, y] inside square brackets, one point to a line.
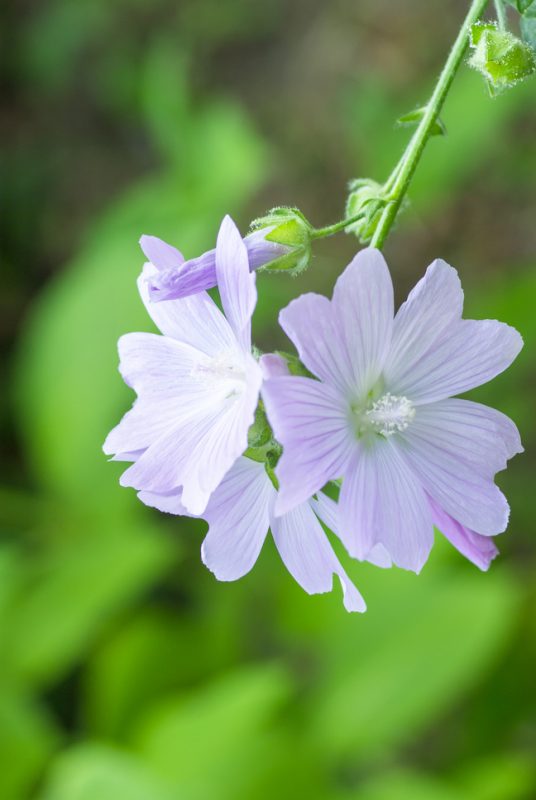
[365, 195]
[500, 57]
[291, 229]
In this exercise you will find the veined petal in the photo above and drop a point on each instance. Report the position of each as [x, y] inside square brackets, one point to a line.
[202, 446]
[169, 503]
[194, 320]
[327, 510]
[163, 373]
[480, 437]
[466, 493]
[310, 323]
[238, 516]
[310, 420]
[481, 550]
[161, 254]
[432, 307]
[363, 306]
[223, 443]
[309, 557]
[469, 354]
[235, 282]
[381, 502]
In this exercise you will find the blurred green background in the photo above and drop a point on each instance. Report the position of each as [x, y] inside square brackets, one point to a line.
[126, 670]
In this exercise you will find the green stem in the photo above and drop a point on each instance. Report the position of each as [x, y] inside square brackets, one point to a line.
[329, 230]
[500, 11]
[418, 142]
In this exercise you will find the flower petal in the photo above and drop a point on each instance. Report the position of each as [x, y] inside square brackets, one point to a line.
[310, 420]
[382, 502]
[363, 305]
[273, 366]
[238, 515]
[479, 436]
[309, 557]
[432, 307]
[169, 503]
[160, 370]
[195, 320]
[235, 282]
[463, 490]
[327, 510]
[481, 550]
[345, 342]
[467, 355]
[161, 254]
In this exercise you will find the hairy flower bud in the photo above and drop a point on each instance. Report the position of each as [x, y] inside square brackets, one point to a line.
[291, 229]
[500, 57]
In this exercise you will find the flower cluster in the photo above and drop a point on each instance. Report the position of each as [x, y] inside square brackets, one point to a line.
[250, 445]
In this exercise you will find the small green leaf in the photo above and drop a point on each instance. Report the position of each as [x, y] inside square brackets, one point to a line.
[414, 117]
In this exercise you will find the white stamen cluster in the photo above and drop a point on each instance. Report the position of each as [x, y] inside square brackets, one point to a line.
[390, 414]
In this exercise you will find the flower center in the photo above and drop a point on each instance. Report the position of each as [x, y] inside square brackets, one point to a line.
[222, 372]
[390, 414]
[385, 416]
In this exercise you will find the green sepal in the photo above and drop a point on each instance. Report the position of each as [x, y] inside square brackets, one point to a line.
[260, 432]
[500, 57]
[365, 196]
[414, 117]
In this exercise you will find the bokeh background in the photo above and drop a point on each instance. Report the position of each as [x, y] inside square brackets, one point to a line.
[126, 670]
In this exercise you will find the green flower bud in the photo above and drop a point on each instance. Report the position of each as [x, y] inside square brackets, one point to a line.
[365, 196]
[290, 228]
[500, 57]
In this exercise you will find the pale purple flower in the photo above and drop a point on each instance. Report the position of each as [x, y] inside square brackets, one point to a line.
[381, 414]
[197, 385]
[241, 511]
[174, 277]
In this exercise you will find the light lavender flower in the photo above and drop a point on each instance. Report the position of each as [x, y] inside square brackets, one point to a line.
[174, 277]
[241, 511]
[381, 415]
[198, 384]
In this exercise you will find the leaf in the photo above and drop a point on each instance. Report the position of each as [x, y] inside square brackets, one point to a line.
[413, 118]
[95, 771]
[73, 591]
[27, 740]
[421, 646]
[213, 742]
[526, 8]
[68, 391]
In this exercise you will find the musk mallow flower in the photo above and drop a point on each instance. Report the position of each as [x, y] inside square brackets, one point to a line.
[174, 277]
[382, 416]
[197, 384]
[240, 513]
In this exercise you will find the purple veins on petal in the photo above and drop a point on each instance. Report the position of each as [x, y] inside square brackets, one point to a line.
[381, 416]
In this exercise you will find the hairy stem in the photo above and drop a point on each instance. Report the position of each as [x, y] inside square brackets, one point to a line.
[500, 12]
[418, 142]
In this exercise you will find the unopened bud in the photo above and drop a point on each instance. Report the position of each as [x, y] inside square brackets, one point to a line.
[500, 57]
